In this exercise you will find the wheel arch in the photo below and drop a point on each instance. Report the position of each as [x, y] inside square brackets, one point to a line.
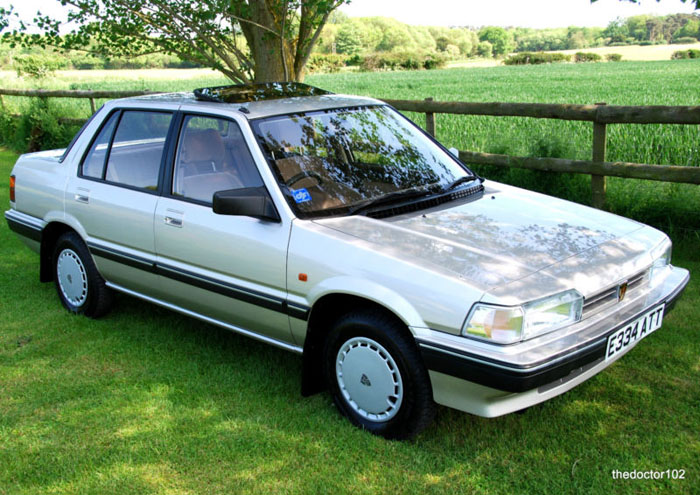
[51, 233]
[324, 312]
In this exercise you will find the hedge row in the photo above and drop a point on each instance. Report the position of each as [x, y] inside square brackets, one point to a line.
[378, 61]
[686, 54]
[587, 57]
[530, 58]
[684, 40]
[40, 64]
[402, 60]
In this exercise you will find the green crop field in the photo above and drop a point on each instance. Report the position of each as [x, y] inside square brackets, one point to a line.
[146, 401]
[669, 206]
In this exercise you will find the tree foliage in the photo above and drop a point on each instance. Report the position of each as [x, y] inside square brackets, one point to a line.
[500, 39]
[484, 49]
[348, 39]
[37, 66]
[246, 40]
[617, 30]
[5, 15]
[642, 29]
[250, 48]
[690, 29]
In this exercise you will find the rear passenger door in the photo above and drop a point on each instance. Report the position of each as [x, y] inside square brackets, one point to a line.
[229, 268]
[114, 195]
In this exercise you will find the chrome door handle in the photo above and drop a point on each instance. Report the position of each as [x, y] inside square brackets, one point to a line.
[82, 195]
[173, 222]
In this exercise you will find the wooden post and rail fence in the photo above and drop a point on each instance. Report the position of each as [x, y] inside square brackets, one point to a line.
[599, 114]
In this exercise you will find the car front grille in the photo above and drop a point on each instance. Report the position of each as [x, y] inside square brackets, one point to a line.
[607, 297]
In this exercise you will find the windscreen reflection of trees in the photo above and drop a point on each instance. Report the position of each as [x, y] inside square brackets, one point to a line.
[363, 152]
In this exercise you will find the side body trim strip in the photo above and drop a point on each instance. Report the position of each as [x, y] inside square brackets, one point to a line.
[257, 298]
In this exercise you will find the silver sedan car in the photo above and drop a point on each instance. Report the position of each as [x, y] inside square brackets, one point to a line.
[333, 227]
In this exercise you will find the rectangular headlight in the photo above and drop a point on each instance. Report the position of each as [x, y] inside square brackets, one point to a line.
[552, 313]
[661, 263]
[510, 324]
[499, 324]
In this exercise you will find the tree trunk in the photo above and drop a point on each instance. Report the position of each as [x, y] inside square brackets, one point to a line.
[269, 64]
[268, 59]
[265, 46]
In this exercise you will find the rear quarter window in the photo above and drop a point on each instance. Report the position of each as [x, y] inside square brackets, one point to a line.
[94, 163]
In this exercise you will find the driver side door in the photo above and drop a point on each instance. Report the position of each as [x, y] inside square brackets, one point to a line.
[231, 269]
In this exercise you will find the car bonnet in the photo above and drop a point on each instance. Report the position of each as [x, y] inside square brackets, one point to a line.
[506, 235]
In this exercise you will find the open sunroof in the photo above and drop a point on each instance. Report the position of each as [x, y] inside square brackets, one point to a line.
[245, 93]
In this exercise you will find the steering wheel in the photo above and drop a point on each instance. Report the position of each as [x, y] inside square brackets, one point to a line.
[303, 175]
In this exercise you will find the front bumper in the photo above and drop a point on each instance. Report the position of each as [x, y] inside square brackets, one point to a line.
[469, 375]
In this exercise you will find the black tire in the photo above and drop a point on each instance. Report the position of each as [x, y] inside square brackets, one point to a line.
[393, 365]
[80, 287]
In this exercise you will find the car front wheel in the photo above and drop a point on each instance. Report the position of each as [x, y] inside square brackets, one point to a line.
[80, 287]
[376, 376]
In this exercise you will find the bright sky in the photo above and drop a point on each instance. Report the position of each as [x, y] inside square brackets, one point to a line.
[526, 13]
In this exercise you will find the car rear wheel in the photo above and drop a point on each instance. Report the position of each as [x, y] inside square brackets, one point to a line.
[376, 376]
[80, 287]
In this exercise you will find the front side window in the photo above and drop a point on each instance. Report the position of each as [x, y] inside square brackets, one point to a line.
[212, 156]
[137, 149]
[332, 161]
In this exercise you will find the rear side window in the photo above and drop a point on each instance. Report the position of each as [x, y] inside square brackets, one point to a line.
[94, 163]
[137, 149]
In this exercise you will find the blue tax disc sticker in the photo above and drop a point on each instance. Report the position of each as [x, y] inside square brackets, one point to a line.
[301, 195]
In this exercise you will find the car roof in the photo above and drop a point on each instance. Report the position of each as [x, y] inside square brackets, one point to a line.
[262, 108]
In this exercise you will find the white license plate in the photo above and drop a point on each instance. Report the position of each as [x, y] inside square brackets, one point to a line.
[634, 331]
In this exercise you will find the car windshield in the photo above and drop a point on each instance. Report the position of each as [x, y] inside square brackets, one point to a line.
[337, 161]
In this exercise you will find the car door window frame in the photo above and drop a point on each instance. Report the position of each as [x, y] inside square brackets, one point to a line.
[177, 135]
[69, 148]
[167, 145]
[93, 139]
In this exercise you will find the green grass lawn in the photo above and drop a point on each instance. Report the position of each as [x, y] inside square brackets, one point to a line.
[146, 401]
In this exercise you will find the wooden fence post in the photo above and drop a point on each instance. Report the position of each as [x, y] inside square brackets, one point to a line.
[92, 105]
[598, 182]
[430, 121]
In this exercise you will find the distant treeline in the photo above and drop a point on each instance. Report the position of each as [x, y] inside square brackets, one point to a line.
[18, 58]
[351, 36]
[380, 43]
[637, 30]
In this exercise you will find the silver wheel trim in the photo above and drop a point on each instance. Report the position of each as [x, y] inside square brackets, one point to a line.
[72, 277]
[369, 379]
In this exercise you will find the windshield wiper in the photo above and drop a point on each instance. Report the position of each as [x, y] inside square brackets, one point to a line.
[458, 182]
[388, 198]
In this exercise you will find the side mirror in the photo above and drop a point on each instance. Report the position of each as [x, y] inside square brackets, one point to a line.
[454, 152]
[248, 202]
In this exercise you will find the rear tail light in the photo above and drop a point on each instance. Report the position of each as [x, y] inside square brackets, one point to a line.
[12, 188]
